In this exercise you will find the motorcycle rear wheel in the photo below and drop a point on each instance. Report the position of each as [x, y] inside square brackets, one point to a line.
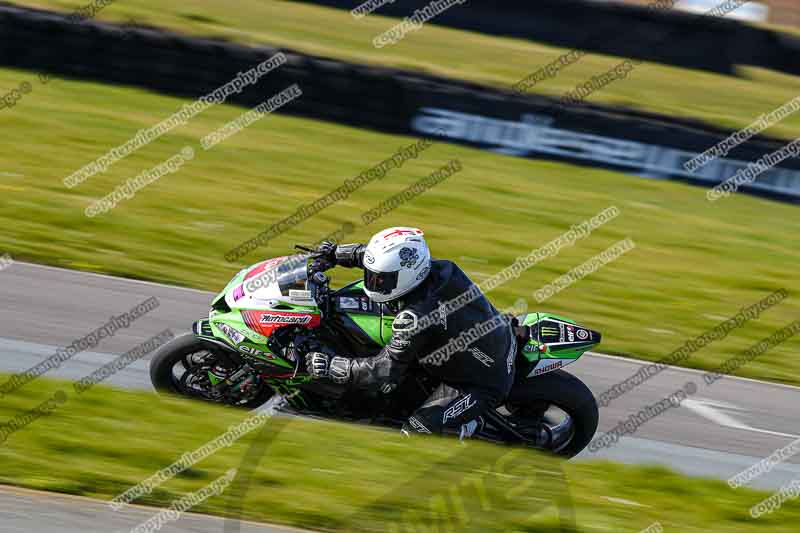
[531, 401]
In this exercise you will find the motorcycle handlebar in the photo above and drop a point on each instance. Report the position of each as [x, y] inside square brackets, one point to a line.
[317, 279]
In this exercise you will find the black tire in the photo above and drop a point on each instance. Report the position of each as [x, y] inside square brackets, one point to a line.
[170, 354]
[569, 394]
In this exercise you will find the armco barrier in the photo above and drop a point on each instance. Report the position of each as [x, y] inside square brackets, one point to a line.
[659, 35]
[385, 99]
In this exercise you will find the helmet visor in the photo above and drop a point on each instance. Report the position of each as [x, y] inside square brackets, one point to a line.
[380, 282]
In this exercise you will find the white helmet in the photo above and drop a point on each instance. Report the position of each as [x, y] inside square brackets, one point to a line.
[396, 260]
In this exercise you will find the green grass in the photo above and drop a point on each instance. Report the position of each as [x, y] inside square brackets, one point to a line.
[732, 102]
[694, 263]
[337, 477]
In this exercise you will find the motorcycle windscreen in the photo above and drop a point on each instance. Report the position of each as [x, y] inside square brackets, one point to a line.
[380, 282]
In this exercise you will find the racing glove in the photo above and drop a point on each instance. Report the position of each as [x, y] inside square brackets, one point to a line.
[321, 365]
[325, 257]
[327, 249]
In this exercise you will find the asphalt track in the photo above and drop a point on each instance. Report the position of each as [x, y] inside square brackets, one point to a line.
[28, 511]
[723, 429]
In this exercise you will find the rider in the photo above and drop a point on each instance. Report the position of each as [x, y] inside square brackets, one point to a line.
[399, 272]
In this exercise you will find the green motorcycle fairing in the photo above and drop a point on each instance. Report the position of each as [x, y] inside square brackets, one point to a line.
[555, 341]
[244, 317]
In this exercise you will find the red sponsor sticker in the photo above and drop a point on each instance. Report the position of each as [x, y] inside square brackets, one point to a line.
[265, 322]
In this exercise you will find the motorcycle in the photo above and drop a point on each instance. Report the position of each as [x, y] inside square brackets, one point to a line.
[253, 345]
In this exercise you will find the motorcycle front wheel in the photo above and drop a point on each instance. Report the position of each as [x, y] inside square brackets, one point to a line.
[186, 364]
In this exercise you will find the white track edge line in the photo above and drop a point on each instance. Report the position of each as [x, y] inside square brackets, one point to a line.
[693, 370]
[115, 278]
[26, 491]
[594, 354]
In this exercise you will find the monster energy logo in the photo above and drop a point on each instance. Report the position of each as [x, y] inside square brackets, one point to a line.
[547, 330]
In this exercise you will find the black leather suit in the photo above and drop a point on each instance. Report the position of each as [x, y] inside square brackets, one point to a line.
[476, 374]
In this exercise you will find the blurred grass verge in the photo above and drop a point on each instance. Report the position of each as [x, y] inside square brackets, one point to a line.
[335, 477]
[695, 263]
[731, 102]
